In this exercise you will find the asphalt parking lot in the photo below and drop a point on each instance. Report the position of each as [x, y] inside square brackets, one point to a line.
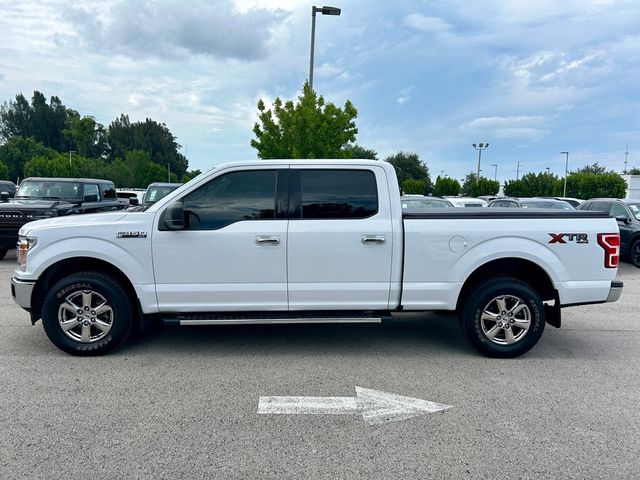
[182, 402]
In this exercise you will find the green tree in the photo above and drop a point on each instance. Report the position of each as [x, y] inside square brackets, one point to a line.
[586, 185]
[413, 186]
[483, 186]
[57, 166]
[17, 151]
[309, 128]
[534, 185]
[189, 175]
[86, 136]
[43, 121]
[446, 186]
[593, 168]
[151, 137]
[4, 172]
[634, 171]
[409, 165]
[358, 151]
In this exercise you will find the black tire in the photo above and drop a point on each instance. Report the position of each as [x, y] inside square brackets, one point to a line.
[99, 290]
[3, 252]
[484, 298]
[634, 253]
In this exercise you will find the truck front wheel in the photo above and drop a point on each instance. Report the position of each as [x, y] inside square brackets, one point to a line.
[502, 317]
[87, 313]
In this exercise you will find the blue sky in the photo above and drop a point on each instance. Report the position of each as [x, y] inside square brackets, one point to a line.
[530, 78]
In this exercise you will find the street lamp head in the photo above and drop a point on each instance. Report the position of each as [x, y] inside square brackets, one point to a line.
[474, 145]
[329, 10]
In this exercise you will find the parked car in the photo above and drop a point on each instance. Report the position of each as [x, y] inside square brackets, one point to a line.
[412, 203]
[467, 202]
[130, 196]
[286, 241]
[548, 203]
[574, 202]
[627, 214]
[39, 198]
[158, 190]
[9, 187]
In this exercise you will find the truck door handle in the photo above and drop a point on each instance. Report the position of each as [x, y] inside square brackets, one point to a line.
[267, 240]
[373, 239]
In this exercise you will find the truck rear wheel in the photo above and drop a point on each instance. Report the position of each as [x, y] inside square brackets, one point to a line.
[87, 313]
[502, 317]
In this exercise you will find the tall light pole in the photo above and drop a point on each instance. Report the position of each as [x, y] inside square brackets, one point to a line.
[323, 11]
[495, 171]
[548, 170]
[566, 171]
[168, 172]
[70, 152]
[479, 147]
[518, 171]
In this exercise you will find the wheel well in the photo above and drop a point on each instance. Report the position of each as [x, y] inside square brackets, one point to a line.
[524, 270]
[69, 266]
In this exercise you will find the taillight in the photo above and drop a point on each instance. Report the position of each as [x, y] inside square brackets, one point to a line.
[611, 244]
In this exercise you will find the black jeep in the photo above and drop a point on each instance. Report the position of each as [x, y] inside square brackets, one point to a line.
[39, 198]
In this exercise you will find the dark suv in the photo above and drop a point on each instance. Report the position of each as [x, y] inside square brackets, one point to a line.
[627, 213]
[39, 198]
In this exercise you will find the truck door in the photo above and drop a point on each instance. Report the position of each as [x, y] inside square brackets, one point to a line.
[340, 238]
[231, 255]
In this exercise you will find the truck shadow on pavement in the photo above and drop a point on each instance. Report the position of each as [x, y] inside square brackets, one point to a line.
[431, 333]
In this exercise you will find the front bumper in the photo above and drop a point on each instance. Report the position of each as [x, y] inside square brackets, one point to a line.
[21, 291]
[615, 291]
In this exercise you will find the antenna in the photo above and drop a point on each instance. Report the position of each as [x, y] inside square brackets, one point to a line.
[626, 155]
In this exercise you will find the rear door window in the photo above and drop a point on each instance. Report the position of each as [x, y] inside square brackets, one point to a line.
[336, 194]
[107, 191]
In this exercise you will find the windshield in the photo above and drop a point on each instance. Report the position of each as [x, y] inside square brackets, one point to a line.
[635, 209]
[154, 194]
[49, 189]
[434, 203]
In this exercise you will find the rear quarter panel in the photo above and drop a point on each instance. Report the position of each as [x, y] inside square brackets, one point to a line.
[440, 254]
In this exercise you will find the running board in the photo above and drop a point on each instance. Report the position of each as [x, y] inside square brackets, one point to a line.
[262, 318]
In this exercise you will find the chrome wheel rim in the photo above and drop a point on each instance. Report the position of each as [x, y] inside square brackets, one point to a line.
[505, 320]
[85, 316]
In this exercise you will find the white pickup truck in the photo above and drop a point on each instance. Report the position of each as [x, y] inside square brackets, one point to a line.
[310, 241]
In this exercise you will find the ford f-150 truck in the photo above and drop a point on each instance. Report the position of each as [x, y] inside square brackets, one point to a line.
[310, 241]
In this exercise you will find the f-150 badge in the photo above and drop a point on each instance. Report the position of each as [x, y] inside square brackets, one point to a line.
[571, 237]
[132, 234]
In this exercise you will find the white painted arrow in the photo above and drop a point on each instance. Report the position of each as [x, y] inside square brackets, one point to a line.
[375, 407]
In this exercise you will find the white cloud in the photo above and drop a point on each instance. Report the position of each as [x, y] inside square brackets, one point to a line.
[423, 23]
[404, 95]
[502, 122]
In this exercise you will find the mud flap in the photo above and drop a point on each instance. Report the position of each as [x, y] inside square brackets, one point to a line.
[552, 314]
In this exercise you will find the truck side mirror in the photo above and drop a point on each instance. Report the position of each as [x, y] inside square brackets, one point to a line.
[174, 216]
[622, 219]
[4, 196]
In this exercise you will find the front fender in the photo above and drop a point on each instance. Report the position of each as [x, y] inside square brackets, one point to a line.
[134, 260]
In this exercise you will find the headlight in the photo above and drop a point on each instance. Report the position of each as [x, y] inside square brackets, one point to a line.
[25, 243]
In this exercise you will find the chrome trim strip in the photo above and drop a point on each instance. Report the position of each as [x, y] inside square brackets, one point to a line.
[266, 321]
